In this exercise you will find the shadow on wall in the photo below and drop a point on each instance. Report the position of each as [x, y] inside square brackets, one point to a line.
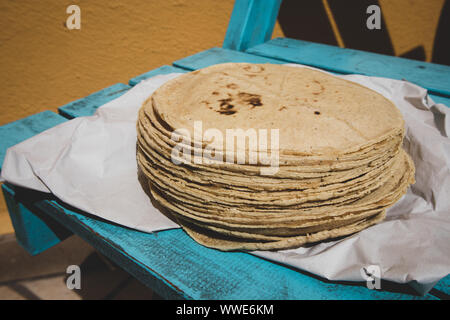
[335, 23]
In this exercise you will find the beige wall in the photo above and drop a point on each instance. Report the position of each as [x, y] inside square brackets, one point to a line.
[44, 65]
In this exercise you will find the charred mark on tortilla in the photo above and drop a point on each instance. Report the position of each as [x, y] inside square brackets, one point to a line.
[227, 112]
[317, 112]
[252, 99]
[224, 102]
[226, 107]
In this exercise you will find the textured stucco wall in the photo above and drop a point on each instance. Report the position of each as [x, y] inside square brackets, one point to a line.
[44, 65]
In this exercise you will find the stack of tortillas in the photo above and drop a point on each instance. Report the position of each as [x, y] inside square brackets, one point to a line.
[328, 155]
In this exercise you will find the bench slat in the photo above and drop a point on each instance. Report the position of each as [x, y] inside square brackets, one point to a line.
[176, 266]
[20, 130]
[434, 77]
[219, 55]
[88, 105]
[444, 286]
[35, 230]
[161, 70]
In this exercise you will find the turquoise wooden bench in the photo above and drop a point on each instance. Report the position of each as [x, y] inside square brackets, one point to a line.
[169, 262]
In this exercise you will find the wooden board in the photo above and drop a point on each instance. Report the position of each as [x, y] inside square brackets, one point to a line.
[219, 55]
[175, 266]
[434, 77]
[155, 72]
[87, 105]
[20, 130]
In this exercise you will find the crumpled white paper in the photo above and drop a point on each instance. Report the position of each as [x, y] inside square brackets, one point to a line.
[90, 163]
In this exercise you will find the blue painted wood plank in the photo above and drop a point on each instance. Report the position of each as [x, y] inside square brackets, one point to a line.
[20, 130]
[251, 23]
[35, 231]
[444, 285]
[175, 266]
[155, 72]
[434, 77]
[219, 55]
[441, 99]
[88, 105]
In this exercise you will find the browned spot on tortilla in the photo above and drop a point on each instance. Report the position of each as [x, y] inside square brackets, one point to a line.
[215, 93]
[224, 102]
[254, 68]
[282, 108]
[252, 99]
[227, 112]
[232, 86]
[317, 112]
[226, 107]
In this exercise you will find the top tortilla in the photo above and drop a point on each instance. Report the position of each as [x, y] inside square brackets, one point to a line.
[316, 113]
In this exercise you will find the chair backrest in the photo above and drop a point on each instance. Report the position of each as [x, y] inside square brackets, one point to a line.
[251, 23]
